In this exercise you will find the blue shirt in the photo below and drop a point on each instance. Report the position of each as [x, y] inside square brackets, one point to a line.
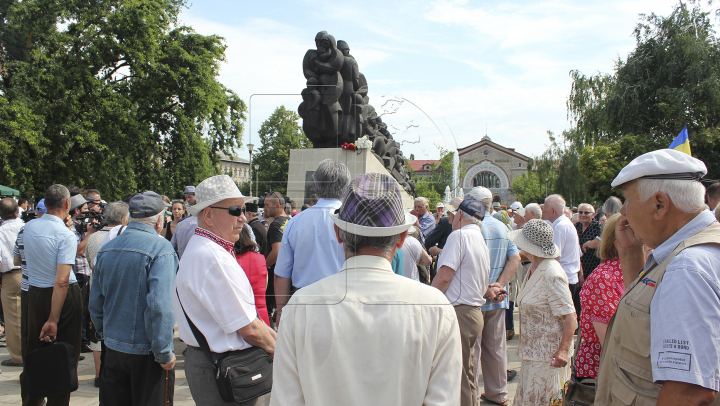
[309, 250]
[685, 311]
[427, 224]
[48, 243]
[495, 233]
[397, 263]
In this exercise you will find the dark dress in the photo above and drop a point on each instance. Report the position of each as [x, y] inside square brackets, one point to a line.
[588, 260]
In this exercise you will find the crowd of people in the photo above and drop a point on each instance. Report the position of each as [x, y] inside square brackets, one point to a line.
[358, 301]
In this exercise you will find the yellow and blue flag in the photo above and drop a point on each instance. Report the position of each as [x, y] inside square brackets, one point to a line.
[681, 142]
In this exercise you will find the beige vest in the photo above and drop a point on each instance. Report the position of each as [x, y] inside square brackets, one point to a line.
[625, 375]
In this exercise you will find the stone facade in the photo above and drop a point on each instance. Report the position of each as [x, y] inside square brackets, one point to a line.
[237, 168]
[491, 165]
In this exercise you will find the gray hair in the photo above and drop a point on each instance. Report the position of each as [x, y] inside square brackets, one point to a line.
[55, 197]
[114, 213]
[422, 200]
[592, 208]
[354, 242]
[535, 209]
[151, 221]
[331, 179]
[475, 220]
[687, 196]
[612, 206]
[555, 201]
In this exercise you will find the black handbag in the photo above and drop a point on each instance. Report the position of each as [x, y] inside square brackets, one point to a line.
[240, 375]
[577, 392]
[51, 370]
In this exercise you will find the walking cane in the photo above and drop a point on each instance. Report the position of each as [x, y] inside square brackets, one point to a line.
[167, 388]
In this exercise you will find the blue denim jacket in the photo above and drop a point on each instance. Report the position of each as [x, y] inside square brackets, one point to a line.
[130, 297]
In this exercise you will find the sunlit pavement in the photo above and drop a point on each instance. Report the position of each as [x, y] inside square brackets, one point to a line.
[87, 393]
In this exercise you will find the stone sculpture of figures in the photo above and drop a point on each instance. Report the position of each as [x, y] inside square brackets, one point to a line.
[336, 108]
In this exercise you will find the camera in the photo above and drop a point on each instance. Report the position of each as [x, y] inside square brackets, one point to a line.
[85, 220]
[28, 215]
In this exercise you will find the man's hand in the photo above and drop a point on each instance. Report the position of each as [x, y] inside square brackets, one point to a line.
[592, 244]
[49, 329]
[496, 292]
[69, 222]
[168, 366]
[625, 235]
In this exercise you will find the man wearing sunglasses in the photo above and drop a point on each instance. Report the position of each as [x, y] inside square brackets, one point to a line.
[213, 291]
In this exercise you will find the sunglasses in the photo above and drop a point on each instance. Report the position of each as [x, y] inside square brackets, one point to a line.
[585, 212]
[233, 210]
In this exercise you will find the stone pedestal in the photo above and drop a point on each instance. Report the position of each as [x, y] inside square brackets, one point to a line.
[303, 163]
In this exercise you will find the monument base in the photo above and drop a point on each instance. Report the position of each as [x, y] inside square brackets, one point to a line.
[303, 163]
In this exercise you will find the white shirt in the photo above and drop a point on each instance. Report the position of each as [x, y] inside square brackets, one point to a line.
[8, 234]
[216, 295]
[309, 250]
[467, 254]
[412, 252]
[565, 236]
[366, 336]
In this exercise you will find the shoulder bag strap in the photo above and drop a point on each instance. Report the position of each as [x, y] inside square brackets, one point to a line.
[199, 337]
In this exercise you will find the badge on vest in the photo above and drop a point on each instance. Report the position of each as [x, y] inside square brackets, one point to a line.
[649, 282]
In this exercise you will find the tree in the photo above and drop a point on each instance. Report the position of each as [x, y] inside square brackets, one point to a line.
[279, 134]
[670, 80]
[529, 188]
[110, 94]
[433, 187]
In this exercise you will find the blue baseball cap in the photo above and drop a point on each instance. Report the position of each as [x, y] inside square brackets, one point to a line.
[146, 204]
[41, 207]
[473, 208]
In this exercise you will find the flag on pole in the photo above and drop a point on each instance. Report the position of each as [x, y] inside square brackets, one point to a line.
[681, 142]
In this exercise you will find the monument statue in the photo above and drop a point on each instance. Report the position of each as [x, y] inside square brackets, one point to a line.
[336, 108]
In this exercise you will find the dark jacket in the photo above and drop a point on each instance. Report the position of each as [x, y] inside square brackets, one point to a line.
[439, 235]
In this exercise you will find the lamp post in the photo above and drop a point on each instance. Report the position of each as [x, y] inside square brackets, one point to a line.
[257, 167]
[250, 148]
[546, 181]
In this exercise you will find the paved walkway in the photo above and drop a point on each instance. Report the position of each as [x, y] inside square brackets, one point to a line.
[87, 394]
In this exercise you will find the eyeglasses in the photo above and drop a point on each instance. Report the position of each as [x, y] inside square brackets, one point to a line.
[585, 212]
[233, 210]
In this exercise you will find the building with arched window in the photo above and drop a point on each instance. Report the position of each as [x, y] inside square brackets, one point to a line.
[237, 168]
[493, 166]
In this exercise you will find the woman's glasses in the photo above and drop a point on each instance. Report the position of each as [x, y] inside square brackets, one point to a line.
[585, 212]
[233, 210]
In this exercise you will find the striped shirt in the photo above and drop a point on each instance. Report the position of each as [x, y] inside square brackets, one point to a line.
[19, 251]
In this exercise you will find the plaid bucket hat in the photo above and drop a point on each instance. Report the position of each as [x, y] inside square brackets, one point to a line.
[372, 207]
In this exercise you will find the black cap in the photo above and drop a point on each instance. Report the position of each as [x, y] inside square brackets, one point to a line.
[251, 207]
[146, 204]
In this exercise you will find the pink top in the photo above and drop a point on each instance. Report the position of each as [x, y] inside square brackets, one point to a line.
[256, 270]
[599, 299]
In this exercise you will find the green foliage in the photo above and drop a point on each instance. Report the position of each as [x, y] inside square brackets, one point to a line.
[279, 134]
[119, 98]
[529, 188]
[670, 80]
[433, 187]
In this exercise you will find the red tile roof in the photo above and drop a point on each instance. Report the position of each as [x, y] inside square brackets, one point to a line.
[418, 163]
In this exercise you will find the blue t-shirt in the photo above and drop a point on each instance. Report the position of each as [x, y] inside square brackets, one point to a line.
[397, 263]
[48, 242]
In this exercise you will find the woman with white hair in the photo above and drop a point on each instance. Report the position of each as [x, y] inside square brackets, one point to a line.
[547, 317]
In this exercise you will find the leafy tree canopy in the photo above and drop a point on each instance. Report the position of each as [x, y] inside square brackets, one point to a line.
[433, 187]
[110, 94]
[279, 134]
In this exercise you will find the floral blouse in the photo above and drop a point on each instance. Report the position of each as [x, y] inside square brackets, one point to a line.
[599, 299]
[543, 299]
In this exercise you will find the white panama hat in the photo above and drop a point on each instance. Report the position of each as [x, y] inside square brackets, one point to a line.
[215, 189]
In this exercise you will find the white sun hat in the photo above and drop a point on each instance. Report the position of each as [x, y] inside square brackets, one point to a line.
[215, 189]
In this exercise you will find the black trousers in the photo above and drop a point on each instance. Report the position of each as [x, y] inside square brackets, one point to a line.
[133, 379]
[23, 322]
[68, 331]
[575, 292]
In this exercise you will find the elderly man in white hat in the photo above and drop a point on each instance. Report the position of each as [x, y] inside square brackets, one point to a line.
[213, 292]
[663, 344]
[365, 336]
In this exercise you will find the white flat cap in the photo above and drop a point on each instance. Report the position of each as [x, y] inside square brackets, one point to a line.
[661, 164]
[515, 206]
[481, 193]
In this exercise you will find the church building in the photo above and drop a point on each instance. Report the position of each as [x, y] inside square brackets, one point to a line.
[493, 166]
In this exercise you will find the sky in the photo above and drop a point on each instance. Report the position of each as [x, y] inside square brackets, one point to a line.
[443, 73]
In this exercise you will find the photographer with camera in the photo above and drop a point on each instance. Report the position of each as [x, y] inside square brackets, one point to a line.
[85, 224]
